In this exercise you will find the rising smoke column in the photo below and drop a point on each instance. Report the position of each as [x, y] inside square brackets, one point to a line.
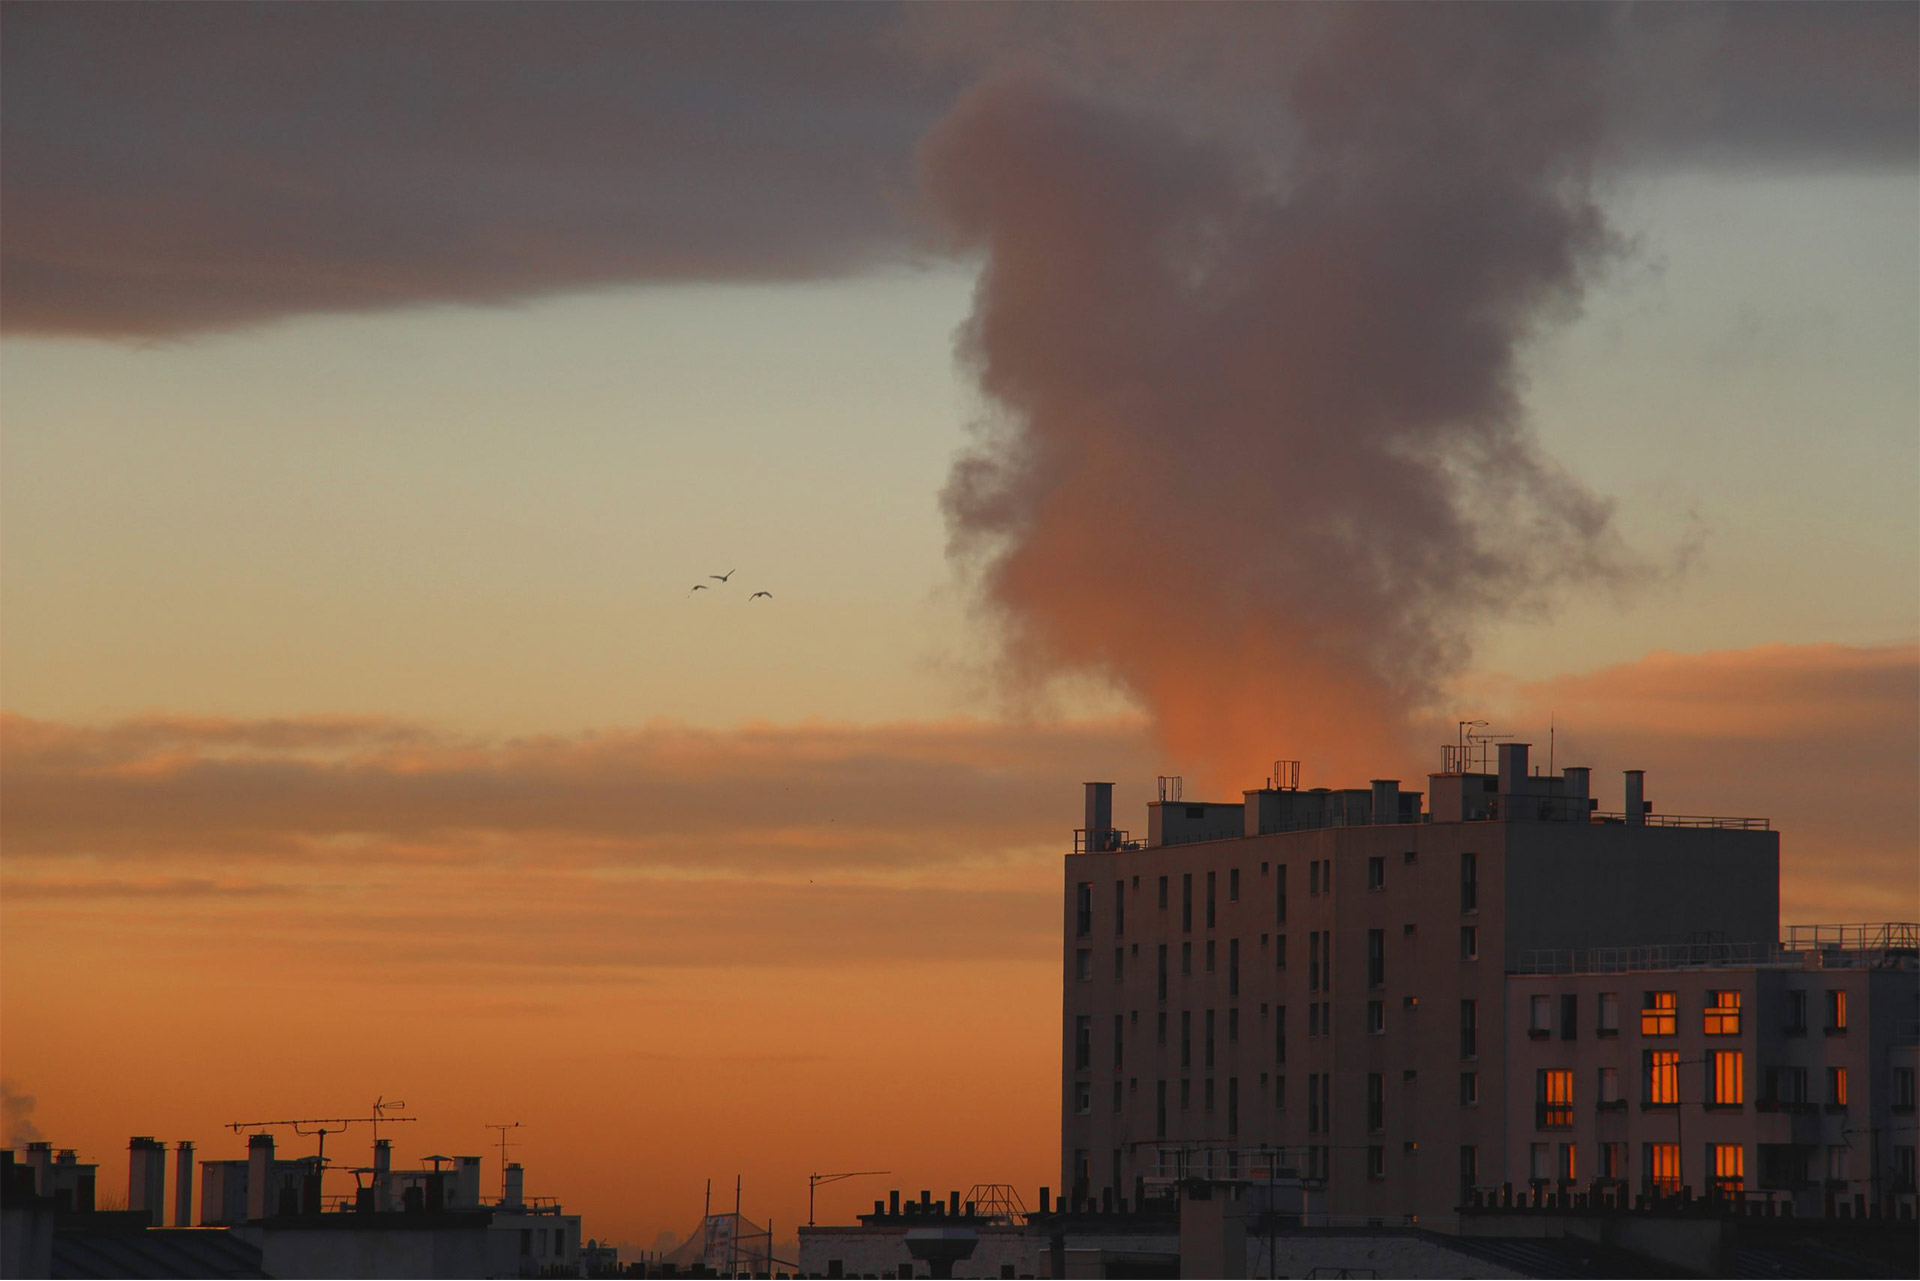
[1258, 454]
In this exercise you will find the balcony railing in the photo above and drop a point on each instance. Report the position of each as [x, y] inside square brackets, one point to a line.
[1102, 840]
[1835, 945]
[1736, 824]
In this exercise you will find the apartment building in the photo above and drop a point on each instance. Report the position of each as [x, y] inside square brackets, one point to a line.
[1315, 980]
[1781, 1073]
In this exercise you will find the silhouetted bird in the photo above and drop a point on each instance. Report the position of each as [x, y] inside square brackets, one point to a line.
[698, 587]
[758, 595]
[724, 577]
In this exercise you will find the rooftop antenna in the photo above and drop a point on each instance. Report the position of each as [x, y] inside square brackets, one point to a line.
[320, 1125]
[503, 1127]
[815, 1180]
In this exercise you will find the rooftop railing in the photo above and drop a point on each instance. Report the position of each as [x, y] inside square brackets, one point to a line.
[1736, 824]
[1866, 944]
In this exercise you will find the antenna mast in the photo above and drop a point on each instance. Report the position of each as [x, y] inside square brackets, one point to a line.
[503, 1128]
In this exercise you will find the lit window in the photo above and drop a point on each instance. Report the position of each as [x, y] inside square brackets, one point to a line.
[1663, 1076]
[1836, 1010]
[1659, 1015]
[1729, 1077]
[1729, 1169]
[1613, 1160]
[1723, 1014]
[1567, 1165]
[1837, 1086]
[1663, 1167]
[1554, 1098]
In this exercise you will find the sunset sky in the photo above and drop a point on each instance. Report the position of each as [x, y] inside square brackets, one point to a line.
[1099, 392]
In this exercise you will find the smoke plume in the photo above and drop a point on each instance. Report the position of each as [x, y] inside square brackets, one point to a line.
[16, 1118]
[1258, 454]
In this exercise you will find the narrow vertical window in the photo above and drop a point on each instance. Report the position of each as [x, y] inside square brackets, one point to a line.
[1119, 908]
[1469, 882]
[1186, 901]
[1083, 909]
[1729, 1080]
[1233, 967]
[1233, 885]
[1376, 958]
[1280, 895]
[1210, 915]
[1469, 1029]
[1376, 1102]
[1163, 971]
[1662, 1076]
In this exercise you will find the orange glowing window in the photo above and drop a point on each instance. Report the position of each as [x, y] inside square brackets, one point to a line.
[1659, 1014]
[1554, 1094]
[1663, 1076]
[1729, 1077]
[1663, 1167]
[1729, 1168]
[1723, 1014]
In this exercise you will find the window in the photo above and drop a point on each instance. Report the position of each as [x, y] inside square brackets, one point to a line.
[1903, 1167]
[1539, 1016]
[1553, 1098]
[1160, 1109]
[1469, 1029]
[1163, 894]
[1376, 958]
[1469, 1089]
[1280, 1091]
[1729, 1169]
[1313, 877]
[1469, 1169]
[1233, 885]
[1796, 1013]
[1186, 1094]
[1609, 1024]
[1376, 873]
[1659, 1015]
[1609, 1086]
[1409, 1003]
[1787, 1086]
[1313, 961]
[1083, 964]
[1836, 1010]
[1836, 1087]
[1662, 1077]
[1469, 882]
[1206, 1095]
[1723, 1014]
[1280, 894]
[1613, 1161]
[1566, 1164]
[1233, 1108]
[1376, 1161]
[1540, 1161]
[1186, 901]
[1186, 959]
[1319, 1111]
[1208, 1041]
[1410, 930]
[1163, 971]
[1376, 1017]
[1569, 1017]
[1729, 1084]
[1119, 964]
[1233, 967]
[1279, 1034]
[1160, 1028]
[1186, 1039]
[1083, 909]
[1837, 1163]
[1279, 951]
[1119, 908]
[1233, 1025]
[1119, 1037]
[1469, 942]
[1210, 956]
[1326, 960]
[1663, 1168]
[1082, 1042]
[1376, 1102]
[1082, 1098]
[1210, 898]
[1903, 1089]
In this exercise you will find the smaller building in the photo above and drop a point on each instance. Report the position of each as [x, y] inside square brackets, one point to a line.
[1780, 1073]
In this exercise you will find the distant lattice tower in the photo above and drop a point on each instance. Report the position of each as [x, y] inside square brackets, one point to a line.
[999, 1202]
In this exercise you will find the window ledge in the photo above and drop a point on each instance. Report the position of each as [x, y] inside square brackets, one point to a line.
[1659, 1107]
[1725, 1107]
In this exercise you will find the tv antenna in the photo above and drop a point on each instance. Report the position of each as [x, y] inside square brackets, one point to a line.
[307, 1127]
[503, 1127]
[815, 1180]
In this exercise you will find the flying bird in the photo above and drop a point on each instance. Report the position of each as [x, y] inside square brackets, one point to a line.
[698, 587]
[757, 595]
[724, 577]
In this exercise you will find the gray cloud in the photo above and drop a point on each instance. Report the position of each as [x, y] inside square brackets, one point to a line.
[188, 167]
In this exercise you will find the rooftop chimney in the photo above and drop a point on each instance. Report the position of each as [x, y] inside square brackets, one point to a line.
[147, 1179]
[183, 1184]
[260, 1193]
[1636, 805]
[1513, 769]
[1386, 800]
[515, 1197]
[383, 1175]
[1099, 816]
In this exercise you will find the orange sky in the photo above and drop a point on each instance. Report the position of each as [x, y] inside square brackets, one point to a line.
[1100, 392]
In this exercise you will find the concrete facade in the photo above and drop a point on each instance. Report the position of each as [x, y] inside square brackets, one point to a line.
[1327, 996]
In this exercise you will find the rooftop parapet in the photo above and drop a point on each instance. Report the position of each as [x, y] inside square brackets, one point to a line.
[1875, 945]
